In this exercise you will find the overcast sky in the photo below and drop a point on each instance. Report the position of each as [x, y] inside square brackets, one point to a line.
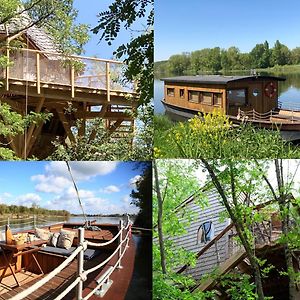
[104, 187]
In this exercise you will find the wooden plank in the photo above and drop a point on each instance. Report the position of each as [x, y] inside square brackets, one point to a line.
[31, 129]
[228, 265]
[72, 82]
[100, 115]
[7, 71]
[108, 81]
[83, 120]
[38, 73]
[66, 125]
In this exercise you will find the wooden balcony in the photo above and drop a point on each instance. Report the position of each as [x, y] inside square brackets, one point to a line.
[47, 81]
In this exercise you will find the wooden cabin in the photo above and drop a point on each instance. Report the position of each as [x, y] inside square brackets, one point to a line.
[220, 251]
[41, 79]
[224, 93]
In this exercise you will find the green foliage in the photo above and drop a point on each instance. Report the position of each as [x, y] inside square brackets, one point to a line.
[138, 52]
[141, 197]
[57, 17]
[13, 124]
[177, 181]
[239, 286]
[215, 60]
[33, 210]
[213, 137]
[105, 147]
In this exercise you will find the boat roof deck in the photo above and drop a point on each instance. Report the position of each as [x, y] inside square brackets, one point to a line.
[217, 79]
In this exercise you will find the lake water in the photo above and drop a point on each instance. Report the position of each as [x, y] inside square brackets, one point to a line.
[289, 92]
[28, 223]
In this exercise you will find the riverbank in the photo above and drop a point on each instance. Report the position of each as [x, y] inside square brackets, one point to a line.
[214, 137]
[276, 69]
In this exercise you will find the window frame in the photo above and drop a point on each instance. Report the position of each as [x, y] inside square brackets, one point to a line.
[237, 89]
[171, 88]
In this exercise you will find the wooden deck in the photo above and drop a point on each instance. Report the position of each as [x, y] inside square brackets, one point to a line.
[121, 279]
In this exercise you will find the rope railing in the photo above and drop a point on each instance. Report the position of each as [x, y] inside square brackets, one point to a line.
[82, 274]
[254, 115]
[48, 277]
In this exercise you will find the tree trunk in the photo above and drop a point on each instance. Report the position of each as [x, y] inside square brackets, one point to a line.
[160, 221]
[284, 207]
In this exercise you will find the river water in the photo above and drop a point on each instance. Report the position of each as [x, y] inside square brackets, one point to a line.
[289, 91]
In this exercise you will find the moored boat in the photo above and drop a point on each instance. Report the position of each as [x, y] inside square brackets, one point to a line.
[243, 99]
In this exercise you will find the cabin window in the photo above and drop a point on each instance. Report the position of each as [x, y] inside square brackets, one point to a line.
[237, 97]
[217, 99]
[205, 232]
[170, 92]
[206, 98]
[194, 96]
[181, 93]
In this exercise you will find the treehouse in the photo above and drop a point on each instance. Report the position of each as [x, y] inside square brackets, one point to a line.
[217, 250]
[39, 78]
[243, 99]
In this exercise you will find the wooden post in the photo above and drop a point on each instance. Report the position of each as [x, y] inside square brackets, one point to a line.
[108, 81]
[120, 241]
[80, 258]
[7, 71]
[38, 73]
[72, 81]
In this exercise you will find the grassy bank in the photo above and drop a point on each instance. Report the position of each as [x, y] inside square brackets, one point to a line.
[214, 137]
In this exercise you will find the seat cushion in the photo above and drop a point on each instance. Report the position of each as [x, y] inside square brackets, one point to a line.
[88, 253]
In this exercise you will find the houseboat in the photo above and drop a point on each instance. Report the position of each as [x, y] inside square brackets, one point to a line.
[242, 98]
[213, 240]
[94, 261]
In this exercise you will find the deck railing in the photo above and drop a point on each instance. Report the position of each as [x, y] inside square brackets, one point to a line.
[254, 115]
[42, 67]
[123, 237]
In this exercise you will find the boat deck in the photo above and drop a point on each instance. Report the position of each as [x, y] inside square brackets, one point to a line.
[121, 279]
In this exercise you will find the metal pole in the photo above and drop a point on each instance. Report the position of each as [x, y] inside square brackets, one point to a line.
[34, 221]
[120, 241]
[80, 257]
[8, 221]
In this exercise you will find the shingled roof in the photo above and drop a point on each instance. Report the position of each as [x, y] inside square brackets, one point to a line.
[217, 79]
[37, 35]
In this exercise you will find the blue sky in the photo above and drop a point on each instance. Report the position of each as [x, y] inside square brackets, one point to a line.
[87, 14]
[184, 26]
[104, 187]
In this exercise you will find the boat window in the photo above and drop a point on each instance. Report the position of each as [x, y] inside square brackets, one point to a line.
[217, 99]
[237, 97]
[194, 96]
[206, 98]
[170, 92]
[181, 93]
[205, 232]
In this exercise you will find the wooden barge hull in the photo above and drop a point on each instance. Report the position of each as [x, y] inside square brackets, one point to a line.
[289, 131]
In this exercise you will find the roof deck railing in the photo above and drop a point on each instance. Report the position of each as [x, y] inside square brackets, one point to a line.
[73, 71]
[123, 236]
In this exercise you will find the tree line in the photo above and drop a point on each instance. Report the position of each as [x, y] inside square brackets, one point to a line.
[33, 210]
[217, 59]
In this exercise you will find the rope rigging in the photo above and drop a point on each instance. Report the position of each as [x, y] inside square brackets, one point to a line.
[77, 192]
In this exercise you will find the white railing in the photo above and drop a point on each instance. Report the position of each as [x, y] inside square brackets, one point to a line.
[81, 272]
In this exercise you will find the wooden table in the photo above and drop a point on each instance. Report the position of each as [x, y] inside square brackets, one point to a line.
[17, 251]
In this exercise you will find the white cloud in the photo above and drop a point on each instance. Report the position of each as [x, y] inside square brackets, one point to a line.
[133, 181]
[126, 199]
[81, 170]
[110, 189]
[28, 199]
[50, 183]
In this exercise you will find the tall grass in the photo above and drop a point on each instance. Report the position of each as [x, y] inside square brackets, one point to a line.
[213, 136]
